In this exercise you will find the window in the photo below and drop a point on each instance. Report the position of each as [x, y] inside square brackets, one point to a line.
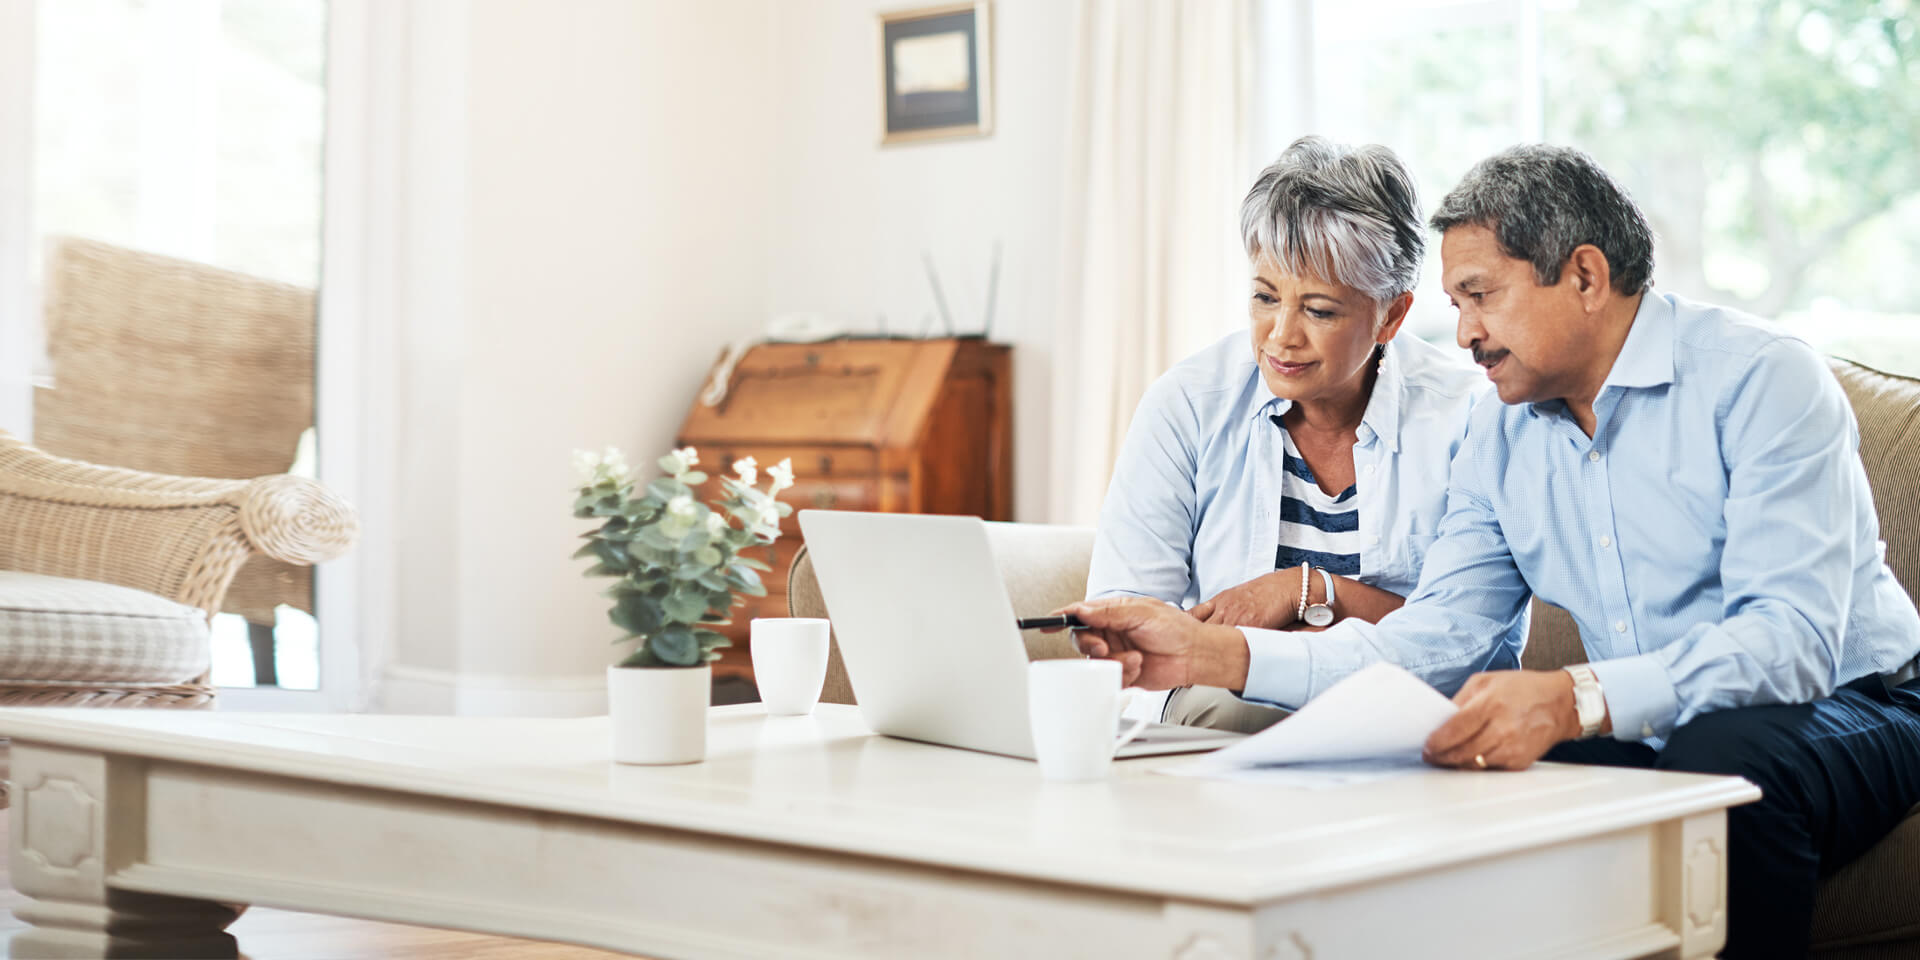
[1770, 144]
[191, 129]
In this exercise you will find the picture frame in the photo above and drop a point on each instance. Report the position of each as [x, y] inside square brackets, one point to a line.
[936, 73]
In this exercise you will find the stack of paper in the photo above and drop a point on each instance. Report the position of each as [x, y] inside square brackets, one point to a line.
[1371, 724]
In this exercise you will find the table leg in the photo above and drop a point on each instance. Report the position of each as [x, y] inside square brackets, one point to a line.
[76, 818]
[1692, 884]
[125, 924]
[266, 670]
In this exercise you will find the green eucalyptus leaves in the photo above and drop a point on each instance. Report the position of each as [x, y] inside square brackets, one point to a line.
[679, 564]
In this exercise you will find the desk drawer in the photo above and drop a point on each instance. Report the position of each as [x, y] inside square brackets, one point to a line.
[827, 494]
[808, 462]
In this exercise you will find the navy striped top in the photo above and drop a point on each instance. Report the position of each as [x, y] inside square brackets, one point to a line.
[1315, 527]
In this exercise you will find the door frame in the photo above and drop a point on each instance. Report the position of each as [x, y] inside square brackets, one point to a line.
[354, 352]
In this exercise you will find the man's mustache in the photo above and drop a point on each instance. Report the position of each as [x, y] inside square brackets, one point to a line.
[1488, 358]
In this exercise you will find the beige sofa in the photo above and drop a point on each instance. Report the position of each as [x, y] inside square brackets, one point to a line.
[1868, 911]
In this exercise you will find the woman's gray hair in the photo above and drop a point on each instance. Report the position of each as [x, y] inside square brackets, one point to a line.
[1340, 213]
[1543, 201]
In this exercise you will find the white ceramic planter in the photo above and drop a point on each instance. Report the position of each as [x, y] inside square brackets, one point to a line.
[659, 714]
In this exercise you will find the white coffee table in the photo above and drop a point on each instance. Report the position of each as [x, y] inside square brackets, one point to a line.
[810, 837]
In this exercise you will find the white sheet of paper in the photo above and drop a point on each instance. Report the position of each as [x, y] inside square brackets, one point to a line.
[1380, 713]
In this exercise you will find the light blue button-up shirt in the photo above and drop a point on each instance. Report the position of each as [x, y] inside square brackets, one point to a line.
[1194, 505]
[1715, 539]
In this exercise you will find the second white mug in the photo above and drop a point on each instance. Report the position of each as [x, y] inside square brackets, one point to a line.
[789, 662]
[1074, 708]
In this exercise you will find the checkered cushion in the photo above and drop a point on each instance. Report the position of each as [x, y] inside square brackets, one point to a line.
[54, 631]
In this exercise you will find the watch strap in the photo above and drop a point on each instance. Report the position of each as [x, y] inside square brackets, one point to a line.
[1589, 701]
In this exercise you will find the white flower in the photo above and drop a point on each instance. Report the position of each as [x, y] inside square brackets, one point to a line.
[613, 466]
[716, 524]
[586, 466]
[678, 517]
[770, 520]
[596, 468]
[679, 461]
[748, 470]
[782, 474]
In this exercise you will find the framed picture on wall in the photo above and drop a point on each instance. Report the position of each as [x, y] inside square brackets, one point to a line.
[936, 73]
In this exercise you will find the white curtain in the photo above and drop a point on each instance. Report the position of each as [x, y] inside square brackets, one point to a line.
[1153, 263]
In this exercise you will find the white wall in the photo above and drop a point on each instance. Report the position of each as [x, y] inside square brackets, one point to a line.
[599, 195]
[585, 181]
[851, 218]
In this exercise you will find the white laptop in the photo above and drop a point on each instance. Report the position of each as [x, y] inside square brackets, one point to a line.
[928, 634]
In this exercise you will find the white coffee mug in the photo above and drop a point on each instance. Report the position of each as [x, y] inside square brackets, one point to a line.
[1074, 707]
[789, 662]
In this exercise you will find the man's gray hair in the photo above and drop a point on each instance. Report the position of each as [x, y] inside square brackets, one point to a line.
[1340, 213]
[1542, 201]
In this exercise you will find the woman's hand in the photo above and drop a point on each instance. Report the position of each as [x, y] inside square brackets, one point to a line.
[1271, 601]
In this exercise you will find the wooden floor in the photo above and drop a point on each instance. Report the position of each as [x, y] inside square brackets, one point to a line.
[283, 935]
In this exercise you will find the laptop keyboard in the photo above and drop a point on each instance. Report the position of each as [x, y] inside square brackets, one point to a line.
[1168, 733]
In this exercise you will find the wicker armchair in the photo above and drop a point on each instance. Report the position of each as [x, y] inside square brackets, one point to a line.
[179, 538]
[177, 367]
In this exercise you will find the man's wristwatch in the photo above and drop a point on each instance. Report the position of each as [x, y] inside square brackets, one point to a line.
[1318, 614]
[1588, 702]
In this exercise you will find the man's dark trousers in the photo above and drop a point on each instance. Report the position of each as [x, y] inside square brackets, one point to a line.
[1837, 775]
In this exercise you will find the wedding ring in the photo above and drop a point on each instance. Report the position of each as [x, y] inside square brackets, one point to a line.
[1480, 760]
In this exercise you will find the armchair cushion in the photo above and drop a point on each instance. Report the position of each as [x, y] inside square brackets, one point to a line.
[56, 631]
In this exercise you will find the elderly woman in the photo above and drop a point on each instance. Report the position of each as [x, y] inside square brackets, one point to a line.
[1302, 480]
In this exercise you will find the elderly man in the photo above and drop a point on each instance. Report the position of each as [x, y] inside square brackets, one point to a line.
[1682, 479]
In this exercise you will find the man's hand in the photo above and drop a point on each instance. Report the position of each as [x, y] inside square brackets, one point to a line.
[1158, 645]
[1508, 718]
[1271, 600]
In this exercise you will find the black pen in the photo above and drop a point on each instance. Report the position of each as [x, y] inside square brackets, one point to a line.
[1069, 621]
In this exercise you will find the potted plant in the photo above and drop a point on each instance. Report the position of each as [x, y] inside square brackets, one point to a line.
[679, 566]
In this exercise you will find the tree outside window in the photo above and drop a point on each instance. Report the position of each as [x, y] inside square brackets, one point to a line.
[1774, 146]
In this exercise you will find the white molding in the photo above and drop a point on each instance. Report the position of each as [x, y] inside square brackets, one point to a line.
[404, 689]
[366, 56]
[16, 216]
[408, 689]
[358, 307]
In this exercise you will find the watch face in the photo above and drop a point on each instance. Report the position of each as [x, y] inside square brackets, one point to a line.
[1319, 615]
